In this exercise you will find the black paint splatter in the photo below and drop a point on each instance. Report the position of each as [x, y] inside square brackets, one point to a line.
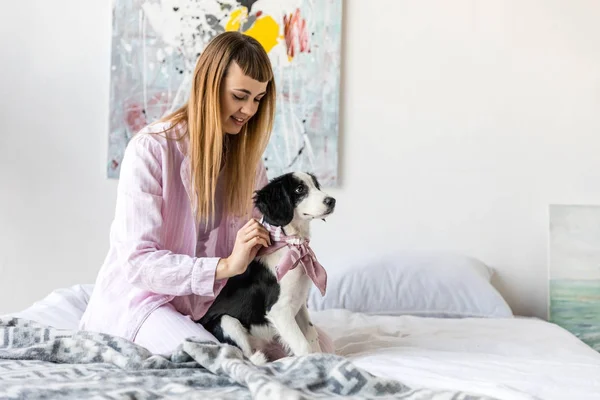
[247, 3]
[297, 155]
[211, 20]
[224, 6]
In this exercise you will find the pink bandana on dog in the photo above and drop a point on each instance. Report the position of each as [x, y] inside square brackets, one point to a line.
[299, 252]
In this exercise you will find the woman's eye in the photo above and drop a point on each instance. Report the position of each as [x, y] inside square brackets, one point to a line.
[238, 98]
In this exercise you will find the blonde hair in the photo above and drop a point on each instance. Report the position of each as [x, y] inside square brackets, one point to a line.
[208, 143]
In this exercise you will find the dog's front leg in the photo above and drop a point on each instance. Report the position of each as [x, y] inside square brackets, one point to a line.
[308, 329]
[284, 321]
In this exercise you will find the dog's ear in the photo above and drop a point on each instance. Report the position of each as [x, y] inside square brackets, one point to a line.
[275, 204]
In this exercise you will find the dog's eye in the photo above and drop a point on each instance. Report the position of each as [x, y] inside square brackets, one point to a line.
[300, 189]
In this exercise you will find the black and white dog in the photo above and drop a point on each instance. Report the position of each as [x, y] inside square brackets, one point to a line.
[260, 305]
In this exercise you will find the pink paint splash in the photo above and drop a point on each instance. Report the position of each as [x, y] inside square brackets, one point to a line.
[137, 117]
[295, 33]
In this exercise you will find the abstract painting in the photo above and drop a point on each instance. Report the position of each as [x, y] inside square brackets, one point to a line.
[155, 45]
[575, 271]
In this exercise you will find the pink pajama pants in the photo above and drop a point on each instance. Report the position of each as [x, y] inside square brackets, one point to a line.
[166, 328]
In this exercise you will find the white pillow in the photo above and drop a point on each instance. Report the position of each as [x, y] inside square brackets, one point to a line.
[412, 283]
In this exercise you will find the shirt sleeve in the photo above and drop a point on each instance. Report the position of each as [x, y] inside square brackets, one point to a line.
[138, 229]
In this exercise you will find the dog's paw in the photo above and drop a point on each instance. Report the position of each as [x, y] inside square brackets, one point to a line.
[258, 358]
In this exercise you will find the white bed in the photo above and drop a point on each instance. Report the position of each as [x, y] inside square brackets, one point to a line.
[507, 358]
[429, 320]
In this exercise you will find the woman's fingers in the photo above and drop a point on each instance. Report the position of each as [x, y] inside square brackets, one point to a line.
[254, 224]
[258, 231]
[260, 238]
[256, 241]
[254, 234]
[251, 221]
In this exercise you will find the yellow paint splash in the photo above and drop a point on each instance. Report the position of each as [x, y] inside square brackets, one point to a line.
[235, 21]
[265, 29]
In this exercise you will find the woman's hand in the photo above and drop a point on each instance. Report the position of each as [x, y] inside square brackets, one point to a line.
[248, 241]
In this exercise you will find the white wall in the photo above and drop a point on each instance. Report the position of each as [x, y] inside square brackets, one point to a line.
[461, 122]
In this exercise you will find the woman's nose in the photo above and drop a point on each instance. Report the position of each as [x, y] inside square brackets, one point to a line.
[245, 110]
[249, 108]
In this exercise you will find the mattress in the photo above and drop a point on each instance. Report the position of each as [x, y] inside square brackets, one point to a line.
[512, 358]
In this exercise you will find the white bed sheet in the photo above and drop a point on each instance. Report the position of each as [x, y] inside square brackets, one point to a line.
[513, 358]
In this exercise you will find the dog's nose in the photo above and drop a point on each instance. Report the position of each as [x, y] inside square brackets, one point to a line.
[329, 202]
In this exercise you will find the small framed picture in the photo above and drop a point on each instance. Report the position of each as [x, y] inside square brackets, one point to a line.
[574, 270]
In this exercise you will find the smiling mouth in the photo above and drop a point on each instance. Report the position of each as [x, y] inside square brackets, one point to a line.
[238, 121]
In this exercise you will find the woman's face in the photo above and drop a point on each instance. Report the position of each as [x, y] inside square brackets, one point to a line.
[240, 97]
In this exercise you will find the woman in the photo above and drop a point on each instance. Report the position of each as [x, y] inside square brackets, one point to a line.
[184, 220]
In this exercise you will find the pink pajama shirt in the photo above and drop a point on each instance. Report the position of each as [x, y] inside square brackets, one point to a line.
[159, 273]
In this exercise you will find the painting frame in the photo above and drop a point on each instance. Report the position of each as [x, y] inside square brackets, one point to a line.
[153, 54]
[574, 270]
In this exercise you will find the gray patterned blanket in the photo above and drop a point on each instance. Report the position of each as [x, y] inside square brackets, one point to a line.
[40, 362]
